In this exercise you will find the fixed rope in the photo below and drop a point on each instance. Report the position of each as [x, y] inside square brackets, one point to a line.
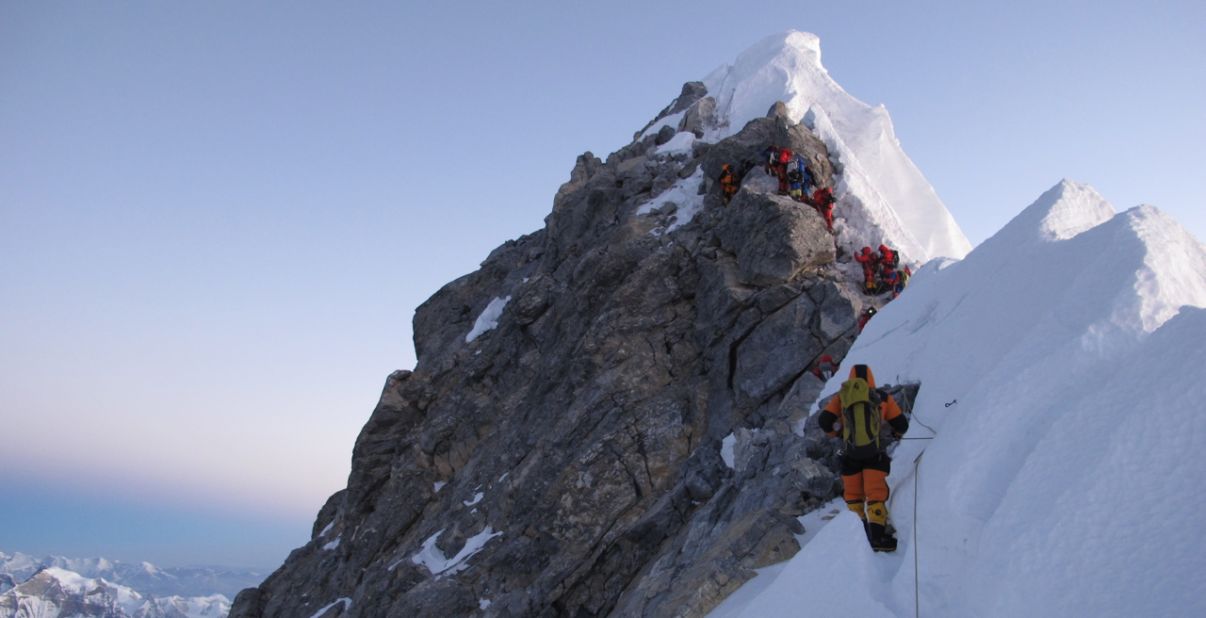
[916, 561]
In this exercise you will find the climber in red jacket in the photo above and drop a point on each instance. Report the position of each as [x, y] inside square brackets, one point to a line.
[865, 317]
[870, 264]
[888, 259]
[822, 199]
[824, 368]
[785, 157]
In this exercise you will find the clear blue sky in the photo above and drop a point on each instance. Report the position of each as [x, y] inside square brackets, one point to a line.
[216, 219]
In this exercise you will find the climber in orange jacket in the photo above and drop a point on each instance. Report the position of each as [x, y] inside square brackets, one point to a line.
[856, 415]
[728, 182]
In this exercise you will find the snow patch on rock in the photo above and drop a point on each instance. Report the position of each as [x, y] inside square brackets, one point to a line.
[488, 319]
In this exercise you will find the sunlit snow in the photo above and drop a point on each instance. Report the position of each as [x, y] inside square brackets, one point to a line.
[1049, 361]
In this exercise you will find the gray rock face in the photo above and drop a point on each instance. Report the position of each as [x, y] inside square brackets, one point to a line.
[691, 93]
[568, 461]
[774, 238]
[700, 116]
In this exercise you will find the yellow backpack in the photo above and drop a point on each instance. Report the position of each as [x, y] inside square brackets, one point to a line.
[861, 419]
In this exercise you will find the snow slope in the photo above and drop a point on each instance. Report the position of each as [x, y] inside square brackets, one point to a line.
[878, 184]
[1058, 368]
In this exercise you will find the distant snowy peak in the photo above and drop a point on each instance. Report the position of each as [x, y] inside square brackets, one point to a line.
[878, 183]
[54, 591]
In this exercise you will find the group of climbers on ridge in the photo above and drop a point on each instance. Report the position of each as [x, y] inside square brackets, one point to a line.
[795, 180]
[880, 271]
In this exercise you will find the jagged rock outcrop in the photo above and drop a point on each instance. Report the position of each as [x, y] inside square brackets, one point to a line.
[568, 461]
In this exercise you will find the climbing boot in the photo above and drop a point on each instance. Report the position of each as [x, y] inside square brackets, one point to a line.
[880, 538]
[878, 535]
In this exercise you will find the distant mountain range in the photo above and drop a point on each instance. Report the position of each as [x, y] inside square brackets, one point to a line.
[55, 585]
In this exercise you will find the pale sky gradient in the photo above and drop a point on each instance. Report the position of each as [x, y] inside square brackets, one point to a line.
[217, 219]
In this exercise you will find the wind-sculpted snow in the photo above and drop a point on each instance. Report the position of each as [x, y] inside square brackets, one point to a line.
[1062, 375]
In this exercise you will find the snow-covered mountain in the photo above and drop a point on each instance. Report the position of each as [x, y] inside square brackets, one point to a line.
[144, 577]
[53, 592]
[882, 193]
[58, 586]
[1061, 373]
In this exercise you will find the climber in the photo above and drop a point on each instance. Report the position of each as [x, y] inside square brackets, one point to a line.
[770, 158]
[855, 414]
[785, 157]
[824, 368]
[865, 317]
[822, 199]
[891, 282]
[905, 275]
[728, 182]
[807, 181]
[870, 263]
[795, 184]
[888, 259]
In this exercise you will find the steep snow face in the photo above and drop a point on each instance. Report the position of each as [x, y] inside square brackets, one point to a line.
[878, 183]
[1059, 374]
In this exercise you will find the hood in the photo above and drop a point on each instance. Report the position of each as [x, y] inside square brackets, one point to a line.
[864, 372]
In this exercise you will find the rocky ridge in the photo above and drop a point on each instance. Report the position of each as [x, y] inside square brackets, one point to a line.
[568, 460]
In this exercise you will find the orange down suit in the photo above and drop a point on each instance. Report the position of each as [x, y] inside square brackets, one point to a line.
[865, 479]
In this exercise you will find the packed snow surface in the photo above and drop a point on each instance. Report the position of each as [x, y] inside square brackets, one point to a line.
[878, 183]
[1061, 369]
